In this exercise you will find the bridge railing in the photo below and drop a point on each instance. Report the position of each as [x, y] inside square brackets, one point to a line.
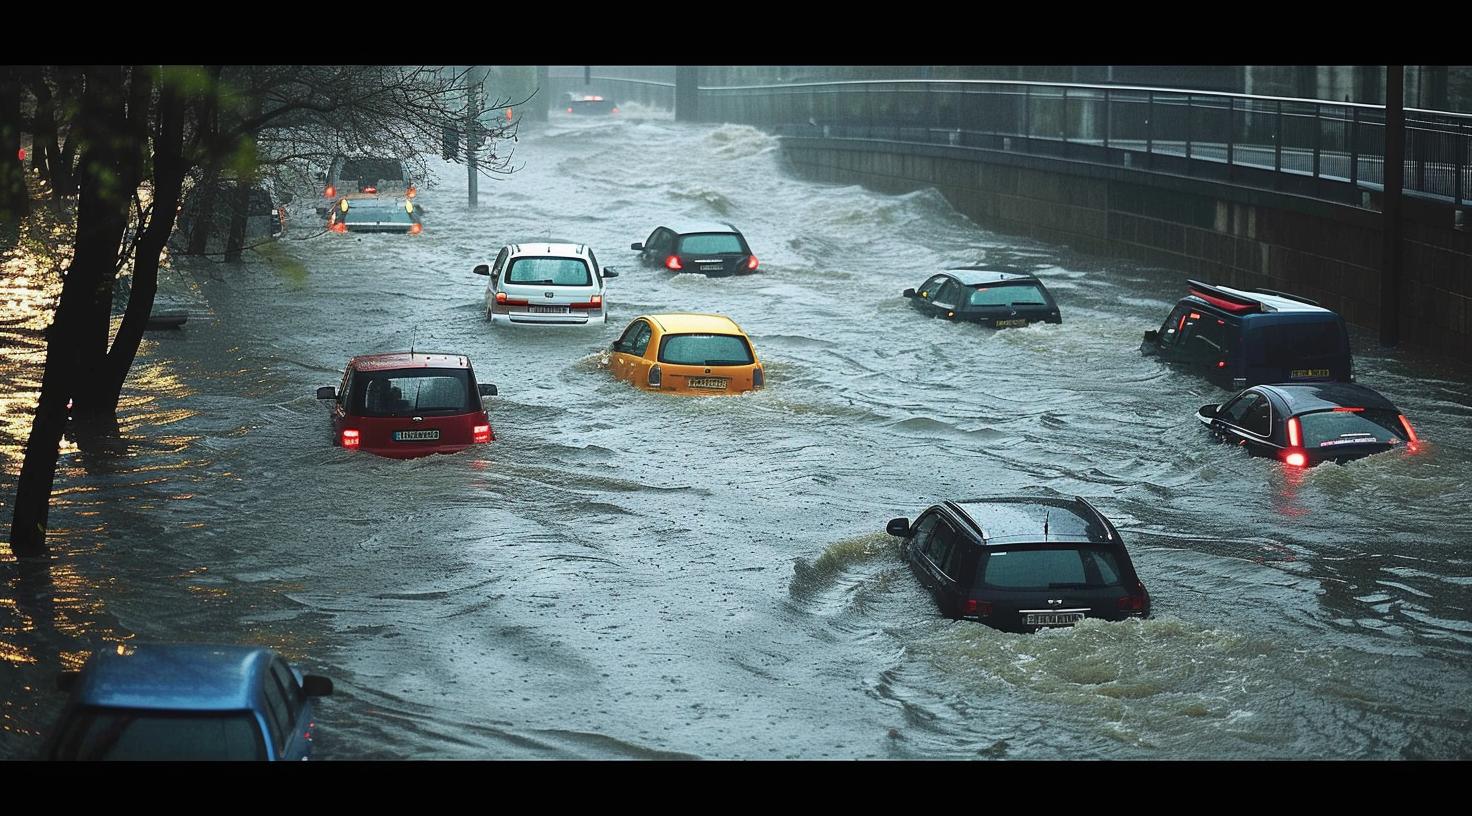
[1324, 149]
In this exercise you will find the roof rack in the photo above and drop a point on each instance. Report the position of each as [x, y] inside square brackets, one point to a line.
[1103, 522]
[1230, 301]
[1276, 293]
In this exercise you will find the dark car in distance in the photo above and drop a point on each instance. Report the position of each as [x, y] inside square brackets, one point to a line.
[979, 295]
[587, 104]
[1304, 425]
[1021, 564]
[712, 248]
[1242, 337]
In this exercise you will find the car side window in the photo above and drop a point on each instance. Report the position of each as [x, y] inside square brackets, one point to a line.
[597, 270]
[278, 716]
[932, 286]
[344, 389]
[1259, 418]
[626, 342]
[1170, 329]
[923, 529]
[652, 242]
[1237, 410]
[949, 292]
[942, 545]
[291, 690]
[641, 340]
[500, 262]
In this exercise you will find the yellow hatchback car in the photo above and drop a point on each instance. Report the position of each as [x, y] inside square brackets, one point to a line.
[687, 354]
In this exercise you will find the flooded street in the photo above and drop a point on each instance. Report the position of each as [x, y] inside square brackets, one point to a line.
[630, 575]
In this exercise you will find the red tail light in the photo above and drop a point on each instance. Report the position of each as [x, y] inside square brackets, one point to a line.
[412, 192]
[339, 226]
[751, 262]
[505, 301]
[595, 303]
[1221, 363]
[329, 192]
[673, 262]
[975, 607]
[656, 377]
[370, 189]
[615, 110]
[350, 438]
[569, 110]
[1293, 432]
[508, 114]
[482, 433]
[1410, 432]
[415, 229]
[1296, 458]
[1132, 603]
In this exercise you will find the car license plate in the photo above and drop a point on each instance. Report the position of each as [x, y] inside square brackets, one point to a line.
[1054, 618]
[717, 383]
[1007, 324]
[548, 310]
[1310, 372]
[416, 436]
[712, 267]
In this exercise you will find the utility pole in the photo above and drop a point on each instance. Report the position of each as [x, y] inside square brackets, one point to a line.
[1395, 137]
[475, 92]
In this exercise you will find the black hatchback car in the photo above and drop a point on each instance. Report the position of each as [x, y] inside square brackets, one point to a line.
[1021, 564]
[1242, 337]
[989, 297]
[711, 248]
[1306, 424]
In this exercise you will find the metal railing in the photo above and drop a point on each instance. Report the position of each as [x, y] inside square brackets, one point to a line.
[1328, 150]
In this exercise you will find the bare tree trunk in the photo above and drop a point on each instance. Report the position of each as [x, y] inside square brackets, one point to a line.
[239, 198]
[102, 214]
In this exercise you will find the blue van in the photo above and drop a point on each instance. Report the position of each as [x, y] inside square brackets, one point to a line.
[1239, 338]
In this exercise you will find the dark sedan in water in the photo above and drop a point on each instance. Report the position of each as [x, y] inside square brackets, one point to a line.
[711, 248]
[986, 296]
[1308, 423]
[1021, 564]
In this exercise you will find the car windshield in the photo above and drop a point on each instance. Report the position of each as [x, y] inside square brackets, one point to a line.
[1328, 429]
[549, 271]
[378, 214]
[412, 391]
[1059, 567]
[712, 243]
[705, 350]
[1012, 294]
[138, 734]
[372, 170]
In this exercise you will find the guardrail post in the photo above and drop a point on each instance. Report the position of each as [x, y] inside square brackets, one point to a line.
[1353, 147]
[1188, 134]
[1106, 119]
[1278, 142]
[1231, 133]
[1027, 117]
[1149, 128]
[1460, 145]
[1318, 135]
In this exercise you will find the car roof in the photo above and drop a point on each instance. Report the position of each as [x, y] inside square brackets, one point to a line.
[972, 275]
[1247, 302]
[1306, 397]
[1021, 519]
[408, 359]
[553, 248]
[685, 322]
[695, 227]
[179, 677]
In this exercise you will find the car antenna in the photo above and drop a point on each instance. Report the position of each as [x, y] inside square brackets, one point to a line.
[1045, 524]
[413, 336]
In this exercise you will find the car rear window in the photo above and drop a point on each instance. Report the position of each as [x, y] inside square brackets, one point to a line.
[705, 350]
[138, 734]
[412, 391]
[549, 272]
[1012, 294]
[1328, 429]
[372, 169]
[1287, 345]
[714, 243]
[1048, 568]
[380, 214]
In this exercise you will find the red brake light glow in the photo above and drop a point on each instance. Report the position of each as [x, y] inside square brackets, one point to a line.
[1410, 432]
[1181, 325]
[1132, 603]
[1293, 432]
[1221, 363]
[1195, 316]
[596, 302]
[482, 433]
[21, 154]
[673, 262]
[980, 608]
[350, 438]
[751, 262]
[329, 192]
[370, 189]
[415, 229]
[339, 226]
[1227, 304]
[1296, 459]
[412, 192]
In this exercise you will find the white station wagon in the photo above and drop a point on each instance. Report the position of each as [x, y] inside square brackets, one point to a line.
[548, 283]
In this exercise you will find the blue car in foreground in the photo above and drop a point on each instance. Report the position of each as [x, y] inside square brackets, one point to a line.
[191, 702]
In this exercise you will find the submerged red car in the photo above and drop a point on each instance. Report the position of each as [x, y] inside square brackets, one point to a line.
[409, 403]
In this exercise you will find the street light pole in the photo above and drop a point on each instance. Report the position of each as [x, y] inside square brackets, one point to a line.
[1395, 136]
[474, 92]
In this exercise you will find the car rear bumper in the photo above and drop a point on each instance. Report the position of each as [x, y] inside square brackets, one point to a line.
[415, 451]
[571, 318]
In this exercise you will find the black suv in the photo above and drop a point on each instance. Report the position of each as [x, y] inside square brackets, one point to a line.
[710, 248]
[1245, 337]
[986, 296]
[1021, 564]
[1304, 425]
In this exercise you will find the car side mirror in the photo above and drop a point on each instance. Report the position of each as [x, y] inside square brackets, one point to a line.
[898, 527]
[609, 273]
[315, 685]
[326, 392]
[638, 246]
[1209, 411]
[482, 269]
[1152, 336]
[909, 293]
[66, 681]
[487, 389]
